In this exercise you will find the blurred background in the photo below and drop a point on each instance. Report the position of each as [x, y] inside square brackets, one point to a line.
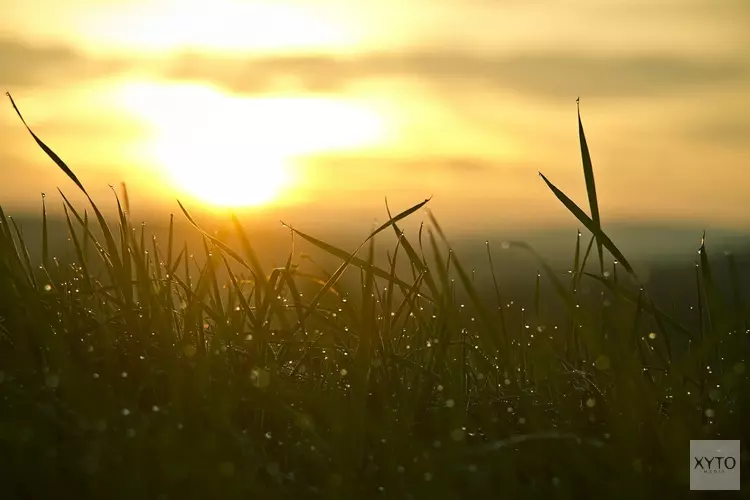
[314, 111]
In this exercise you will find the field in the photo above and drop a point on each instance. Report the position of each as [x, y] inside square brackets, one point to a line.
[143, 368]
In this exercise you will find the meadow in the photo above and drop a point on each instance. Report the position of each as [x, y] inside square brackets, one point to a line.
[143, 368]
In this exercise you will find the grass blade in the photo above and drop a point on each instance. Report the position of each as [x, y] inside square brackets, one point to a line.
[588, 173]
[590, 225]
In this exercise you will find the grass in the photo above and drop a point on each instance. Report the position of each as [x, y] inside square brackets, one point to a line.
[137, 371]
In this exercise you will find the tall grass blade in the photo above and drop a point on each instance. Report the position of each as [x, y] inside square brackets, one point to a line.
[46, 149]
[588, 173]
[45, 233]
[590, 225]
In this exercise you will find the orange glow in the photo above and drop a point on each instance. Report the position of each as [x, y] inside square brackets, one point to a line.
[223, 25]
[231, 151]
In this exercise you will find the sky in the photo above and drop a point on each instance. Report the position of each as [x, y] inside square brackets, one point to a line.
[320, 109]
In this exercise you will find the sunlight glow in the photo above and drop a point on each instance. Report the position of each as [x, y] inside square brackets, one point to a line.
[233, 151]
[220, 25]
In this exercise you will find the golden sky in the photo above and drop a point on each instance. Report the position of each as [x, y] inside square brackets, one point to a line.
[325, 107]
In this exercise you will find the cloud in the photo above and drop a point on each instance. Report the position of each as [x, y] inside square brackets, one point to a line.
[550, 75]
[27, 65]
[370, 169]
[547, 74]
[727, 131]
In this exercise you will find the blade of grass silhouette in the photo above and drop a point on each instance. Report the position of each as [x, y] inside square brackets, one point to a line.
[351, 257]
[576, 262]
[125, 239]
[24, 252]
[565, 294]
[418, 263]
[78, 249]
[473, 294]
[585, 260]
[125, 197]
[46, 149]
[717, 317]
[590, 225]
[106, 258]
[45, 233]
[214, 240]
[388, 302]
[290, 270]
[211, 260]
[240, 296]
[588, 173]
[498, 296]
[441, 268]
[112, 247]
[342, 254]
[86, 233]
[14, 264]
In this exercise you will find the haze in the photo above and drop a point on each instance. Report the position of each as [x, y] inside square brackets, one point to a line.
[318, 110]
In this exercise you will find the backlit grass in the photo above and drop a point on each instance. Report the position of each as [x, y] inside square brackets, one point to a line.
[147, 369]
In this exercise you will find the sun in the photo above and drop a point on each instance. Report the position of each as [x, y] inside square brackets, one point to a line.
[211, 158]
[230, 151]
[219, 172]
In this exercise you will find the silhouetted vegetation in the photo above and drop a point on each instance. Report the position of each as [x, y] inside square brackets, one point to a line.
[147, 369]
